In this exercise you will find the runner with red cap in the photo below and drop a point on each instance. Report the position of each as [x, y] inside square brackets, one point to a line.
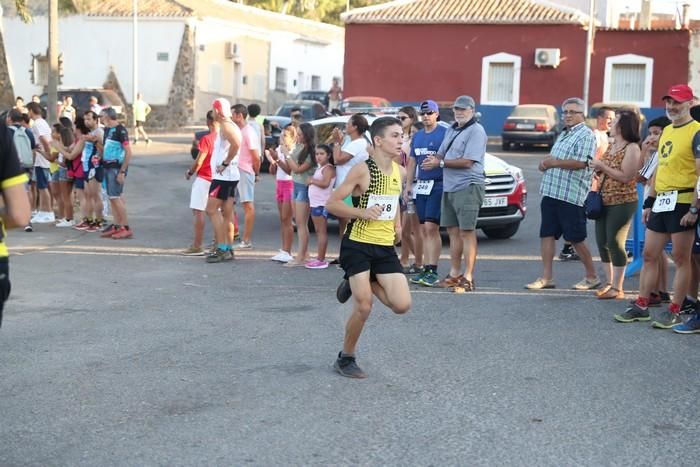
[671, 208]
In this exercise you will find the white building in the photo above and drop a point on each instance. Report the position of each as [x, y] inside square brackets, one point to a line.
[189, 52]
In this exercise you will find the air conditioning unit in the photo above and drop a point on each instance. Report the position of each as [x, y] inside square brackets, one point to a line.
[547, 57]
[232, 50]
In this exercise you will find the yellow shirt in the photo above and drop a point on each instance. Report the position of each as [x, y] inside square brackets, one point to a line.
[384, 190]
[676, 169]
[12, 181]
[54, 166]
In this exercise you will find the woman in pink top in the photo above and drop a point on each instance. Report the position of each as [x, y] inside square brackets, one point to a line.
[320, 188]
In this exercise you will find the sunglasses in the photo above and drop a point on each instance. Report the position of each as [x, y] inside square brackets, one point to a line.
[427, 113]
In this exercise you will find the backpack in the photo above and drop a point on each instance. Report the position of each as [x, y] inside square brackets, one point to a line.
[23, 146]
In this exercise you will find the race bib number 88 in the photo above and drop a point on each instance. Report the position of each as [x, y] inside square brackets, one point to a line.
[389, 204]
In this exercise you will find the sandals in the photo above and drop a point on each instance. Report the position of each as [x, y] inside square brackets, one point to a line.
[612, 294]
[603, 289]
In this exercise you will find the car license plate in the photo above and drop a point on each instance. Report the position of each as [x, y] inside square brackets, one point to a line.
[525, 126]
[495, 202]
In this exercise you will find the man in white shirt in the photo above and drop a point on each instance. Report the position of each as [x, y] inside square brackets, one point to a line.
[42, 176]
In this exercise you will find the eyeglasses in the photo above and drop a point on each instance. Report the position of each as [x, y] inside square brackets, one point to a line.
[402, 118]
[571, 112]
[427, 113]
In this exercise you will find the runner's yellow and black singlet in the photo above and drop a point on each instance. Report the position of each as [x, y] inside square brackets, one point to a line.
[677, 156]
[384, 190]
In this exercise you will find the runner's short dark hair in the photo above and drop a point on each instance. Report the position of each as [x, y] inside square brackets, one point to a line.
[210, 116]
[16, 116]
[254, 110]
[380, 125]
[661, 122]
[240, 109]
[34, 108]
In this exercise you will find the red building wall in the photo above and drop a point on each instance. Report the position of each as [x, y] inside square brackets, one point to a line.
[413, 62]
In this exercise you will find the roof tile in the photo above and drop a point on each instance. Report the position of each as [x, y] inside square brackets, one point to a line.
[465, 12]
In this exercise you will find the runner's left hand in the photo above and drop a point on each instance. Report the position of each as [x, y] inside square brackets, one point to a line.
[689, 219]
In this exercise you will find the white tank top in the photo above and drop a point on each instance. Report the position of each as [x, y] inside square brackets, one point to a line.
[220, 153]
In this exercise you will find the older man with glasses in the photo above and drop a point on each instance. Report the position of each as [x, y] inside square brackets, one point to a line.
[461, 156]
[565, 185]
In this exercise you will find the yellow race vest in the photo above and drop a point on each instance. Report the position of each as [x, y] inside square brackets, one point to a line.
[676, 169]
[384, 190]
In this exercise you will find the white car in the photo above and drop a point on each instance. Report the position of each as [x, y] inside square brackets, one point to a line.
[504, 205]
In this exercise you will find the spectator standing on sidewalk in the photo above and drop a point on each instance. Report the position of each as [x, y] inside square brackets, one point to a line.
[141, 111]
[617, 170]
[565, 185]
[461, 158]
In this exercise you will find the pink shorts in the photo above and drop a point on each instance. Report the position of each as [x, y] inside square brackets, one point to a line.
[284, 191]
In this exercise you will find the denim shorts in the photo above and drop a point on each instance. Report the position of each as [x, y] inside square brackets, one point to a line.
[319, 211]
[114, 189]
[42, 177]
[301, 192]
[63, 175]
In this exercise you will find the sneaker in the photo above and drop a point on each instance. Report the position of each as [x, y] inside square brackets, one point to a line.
[94, 227]
[343, 292]
[347, 366]
[665, 297]
[216, 256]
[411, 270]
[692, 326]
[122, 233]
[667, 320]
[43, 218]
[148, 142]
[228, 255]
[417, 279]
[568, 254]
[108, 231]
[654, 300]
[587, 284]
[688, 306]
[316, 264]
[633, 313]
[541, 283]
[28, 228]
[243, 245]
[65, 223]
[82, 226]
[282, 257]
[449, 282]
[192, 251]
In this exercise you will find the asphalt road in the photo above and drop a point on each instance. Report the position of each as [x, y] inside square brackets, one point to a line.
[125, 353]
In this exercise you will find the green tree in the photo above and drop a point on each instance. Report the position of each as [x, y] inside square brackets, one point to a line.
[328, 11]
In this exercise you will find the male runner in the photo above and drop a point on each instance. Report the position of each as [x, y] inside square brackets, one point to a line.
[367, 253]
[225, 177]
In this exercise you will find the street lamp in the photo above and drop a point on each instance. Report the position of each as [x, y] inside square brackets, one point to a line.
[135, 67]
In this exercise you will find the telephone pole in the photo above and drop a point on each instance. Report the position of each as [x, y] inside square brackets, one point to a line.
[52, 90]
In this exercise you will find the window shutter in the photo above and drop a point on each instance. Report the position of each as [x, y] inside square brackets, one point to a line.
[500, 82]
[627, 82]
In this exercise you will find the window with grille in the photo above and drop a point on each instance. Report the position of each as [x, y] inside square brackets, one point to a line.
[627, 82]
[281, 79]
[315, 83]
[500, 82]
[500, 79]
[628, 79]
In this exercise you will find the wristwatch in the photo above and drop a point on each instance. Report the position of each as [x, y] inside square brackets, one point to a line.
[442, 163]
[693, 210]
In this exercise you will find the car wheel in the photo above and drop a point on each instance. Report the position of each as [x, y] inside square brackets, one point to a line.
[501, 232]
[505, 145]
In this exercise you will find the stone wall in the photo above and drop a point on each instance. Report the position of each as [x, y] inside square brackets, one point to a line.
[7, 95]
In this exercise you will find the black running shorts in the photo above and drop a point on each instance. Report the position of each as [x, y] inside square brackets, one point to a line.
[356, 257]
[222, 189]
[669, 222]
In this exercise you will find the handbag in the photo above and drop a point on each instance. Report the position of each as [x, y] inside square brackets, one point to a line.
[593, 206]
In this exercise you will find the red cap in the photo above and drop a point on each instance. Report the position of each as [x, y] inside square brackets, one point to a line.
[679, 93]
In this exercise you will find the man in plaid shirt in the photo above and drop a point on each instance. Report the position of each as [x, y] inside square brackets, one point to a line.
[565, 184]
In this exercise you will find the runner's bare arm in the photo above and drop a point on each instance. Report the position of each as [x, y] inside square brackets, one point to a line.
[15, 210]
[197, 164]
[358, 178]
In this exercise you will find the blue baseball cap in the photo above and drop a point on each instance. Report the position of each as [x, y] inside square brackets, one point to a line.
[429, 106]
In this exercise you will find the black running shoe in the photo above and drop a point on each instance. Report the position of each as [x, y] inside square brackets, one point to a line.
[347, 367]
[688, 307]
[568, 254]
[343, 293]
[665, 297]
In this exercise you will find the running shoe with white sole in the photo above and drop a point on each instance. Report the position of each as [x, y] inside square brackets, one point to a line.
[282, 257]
